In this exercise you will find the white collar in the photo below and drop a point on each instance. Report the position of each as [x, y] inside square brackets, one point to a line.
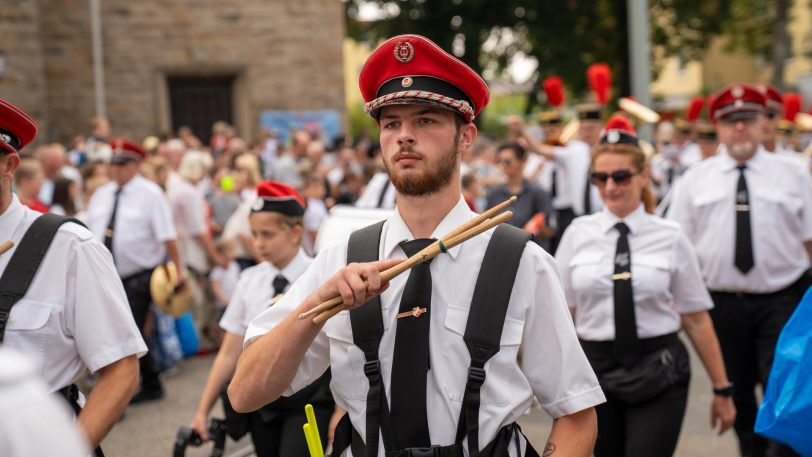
[11, 218]
[398, 231]
[633, 220]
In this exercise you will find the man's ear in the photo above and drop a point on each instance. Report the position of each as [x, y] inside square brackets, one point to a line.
[468, 133]
[10, 162]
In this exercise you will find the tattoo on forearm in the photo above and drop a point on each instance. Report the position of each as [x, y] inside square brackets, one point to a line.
[548, 450]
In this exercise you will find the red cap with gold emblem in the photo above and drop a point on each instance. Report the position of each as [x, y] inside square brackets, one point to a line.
[17, 129]
[411, 69]
[775, 99]
[126, 150]
[737, 102]
[280, 198]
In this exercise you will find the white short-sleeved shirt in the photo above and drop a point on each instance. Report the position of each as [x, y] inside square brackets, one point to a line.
[143, 223]
[33, 422]
[226, 277]
[664, 271]
[189, 215]
[75, 314]
[371, 195]
[538, 326]
[573, 162]
[255, 289]
[780, 220]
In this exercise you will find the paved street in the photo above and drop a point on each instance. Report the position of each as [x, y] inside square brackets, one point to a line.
[149, 430]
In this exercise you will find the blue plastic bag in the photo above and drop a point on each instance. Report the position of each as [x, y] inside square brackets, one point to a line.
[185, 328]
[786, 412]
[165, 346]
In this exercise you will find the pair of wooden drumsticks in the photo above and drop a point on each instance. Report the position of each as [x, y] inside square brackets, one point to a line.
[470, 229]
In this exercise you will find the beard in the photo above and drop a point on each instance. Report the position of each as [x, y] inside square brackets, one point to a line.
[743, 150]
[415, 183]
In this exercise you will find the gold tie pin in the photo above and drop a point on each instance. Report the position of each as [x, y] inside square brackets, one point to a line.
[414, 312]
[625, 276]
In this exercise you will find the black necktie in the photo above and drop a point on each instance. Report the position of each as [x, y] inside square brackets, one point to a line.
[411, 360]
[588, 194]
[279, 284]
[108, 233]
[744, 243]
[627, 346]
[554, 187]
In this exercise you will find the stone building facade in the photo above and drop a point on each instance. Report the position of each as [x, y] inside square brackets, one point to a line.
[165, 60]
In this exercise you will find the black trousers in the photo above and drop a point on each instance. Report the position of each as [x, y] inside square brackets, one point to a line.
[137, 289]
[563, 218]
[650, 428]
[748, 326]
[283, 436]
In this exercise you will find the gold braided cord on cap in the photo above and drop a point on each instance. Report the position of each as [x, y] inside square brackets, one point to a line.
[460, 105]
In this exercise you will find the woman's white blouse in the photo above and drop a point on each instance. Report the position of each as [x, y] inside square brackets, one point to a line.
[666, 280]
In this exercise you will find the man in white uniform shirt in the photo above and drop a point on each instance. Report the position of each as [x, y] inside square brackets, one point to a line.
[749, 215]
[425, 101]
[74, 315]
[131, 216]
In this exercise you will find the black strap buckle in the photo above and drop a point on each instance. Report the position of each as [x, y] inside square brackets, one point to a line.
[372, 368]
[476, 376]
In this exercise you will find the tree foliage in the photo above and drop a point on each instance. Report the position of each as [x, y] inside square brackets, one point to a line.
[566, 36]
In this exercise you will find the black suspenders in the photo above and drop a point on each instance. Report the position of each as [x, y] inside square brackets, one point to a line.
[489, 304]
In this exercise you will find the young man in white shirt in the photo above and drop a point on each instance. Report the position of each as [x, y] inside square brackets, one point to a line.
[425, 100]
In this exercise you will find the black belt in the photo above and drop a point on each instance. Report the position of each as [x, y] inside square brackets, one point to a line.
[140, 274]
[647, 345]
[71, 395]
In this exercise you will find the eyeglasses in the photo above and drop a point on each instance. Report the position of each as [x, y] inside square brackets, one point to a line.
[619, 177]
[506, 162]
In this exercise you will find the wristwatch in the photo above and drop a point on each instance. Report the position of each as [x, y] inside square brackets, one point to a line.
[726, 391]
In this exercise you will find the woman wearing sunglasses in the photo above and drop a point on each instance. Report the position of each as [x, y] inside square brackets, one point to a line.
[632, 283]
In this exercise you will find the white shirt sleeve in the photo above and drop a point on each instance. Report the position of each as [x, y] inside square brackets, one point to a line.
[563, 256]
[687, 285]
[161, 221]
[104, 329]
[552, 359]
[317, 358]
[234, 319]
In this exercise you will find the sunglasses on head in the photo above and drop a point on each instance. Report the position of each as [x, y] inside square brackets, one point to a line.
[600, 178]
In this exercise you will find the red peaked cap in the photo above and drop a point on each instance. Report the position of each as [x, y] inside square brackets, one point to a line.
[775, 99]
[125, 150]
[737, 101]
[792, 106]
[278, 197]
[554, 89]
[694, 109]
[411, 69]
[600, 81]
[17, 129]
[619, 130]
[619, 122]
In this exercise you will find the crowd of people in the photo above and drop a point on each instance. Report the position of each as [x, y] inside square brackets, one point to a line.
[727, 264]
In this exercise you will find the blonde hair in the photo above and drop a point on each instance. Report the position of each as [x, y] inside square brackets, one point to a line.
[250, 163]
[640, 163]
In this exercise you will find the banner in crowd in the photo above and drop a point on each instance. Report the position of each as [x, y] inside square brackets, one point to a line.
[324, 123]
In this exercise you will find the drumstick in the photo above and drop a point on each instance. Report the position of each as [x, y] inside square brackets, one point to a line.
[387, 275]
[5, 246]
[431, 248]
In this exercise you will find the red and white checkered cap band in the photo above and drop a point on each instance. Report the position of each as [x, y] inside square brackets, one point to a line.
[460, 105]
[738, 105]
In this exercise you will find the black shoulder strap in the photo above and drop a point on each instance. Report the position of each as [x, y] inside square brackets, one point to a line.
[25, 262]
[488, 305]
[367, 331]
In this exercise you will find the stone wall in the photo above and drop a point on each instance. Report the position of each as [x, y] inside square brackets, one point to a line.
[284, 54]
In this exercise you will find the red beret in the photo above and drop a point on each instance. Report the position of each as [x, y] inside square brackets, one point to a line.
[411, 69]
[17, 129]
[280, 198]
[125, 150]
[619, 130]
[775, 99]
[737, 101]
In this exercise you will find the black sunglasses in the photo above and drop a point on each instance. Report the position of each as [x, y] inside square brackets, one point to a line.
[619, 177]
